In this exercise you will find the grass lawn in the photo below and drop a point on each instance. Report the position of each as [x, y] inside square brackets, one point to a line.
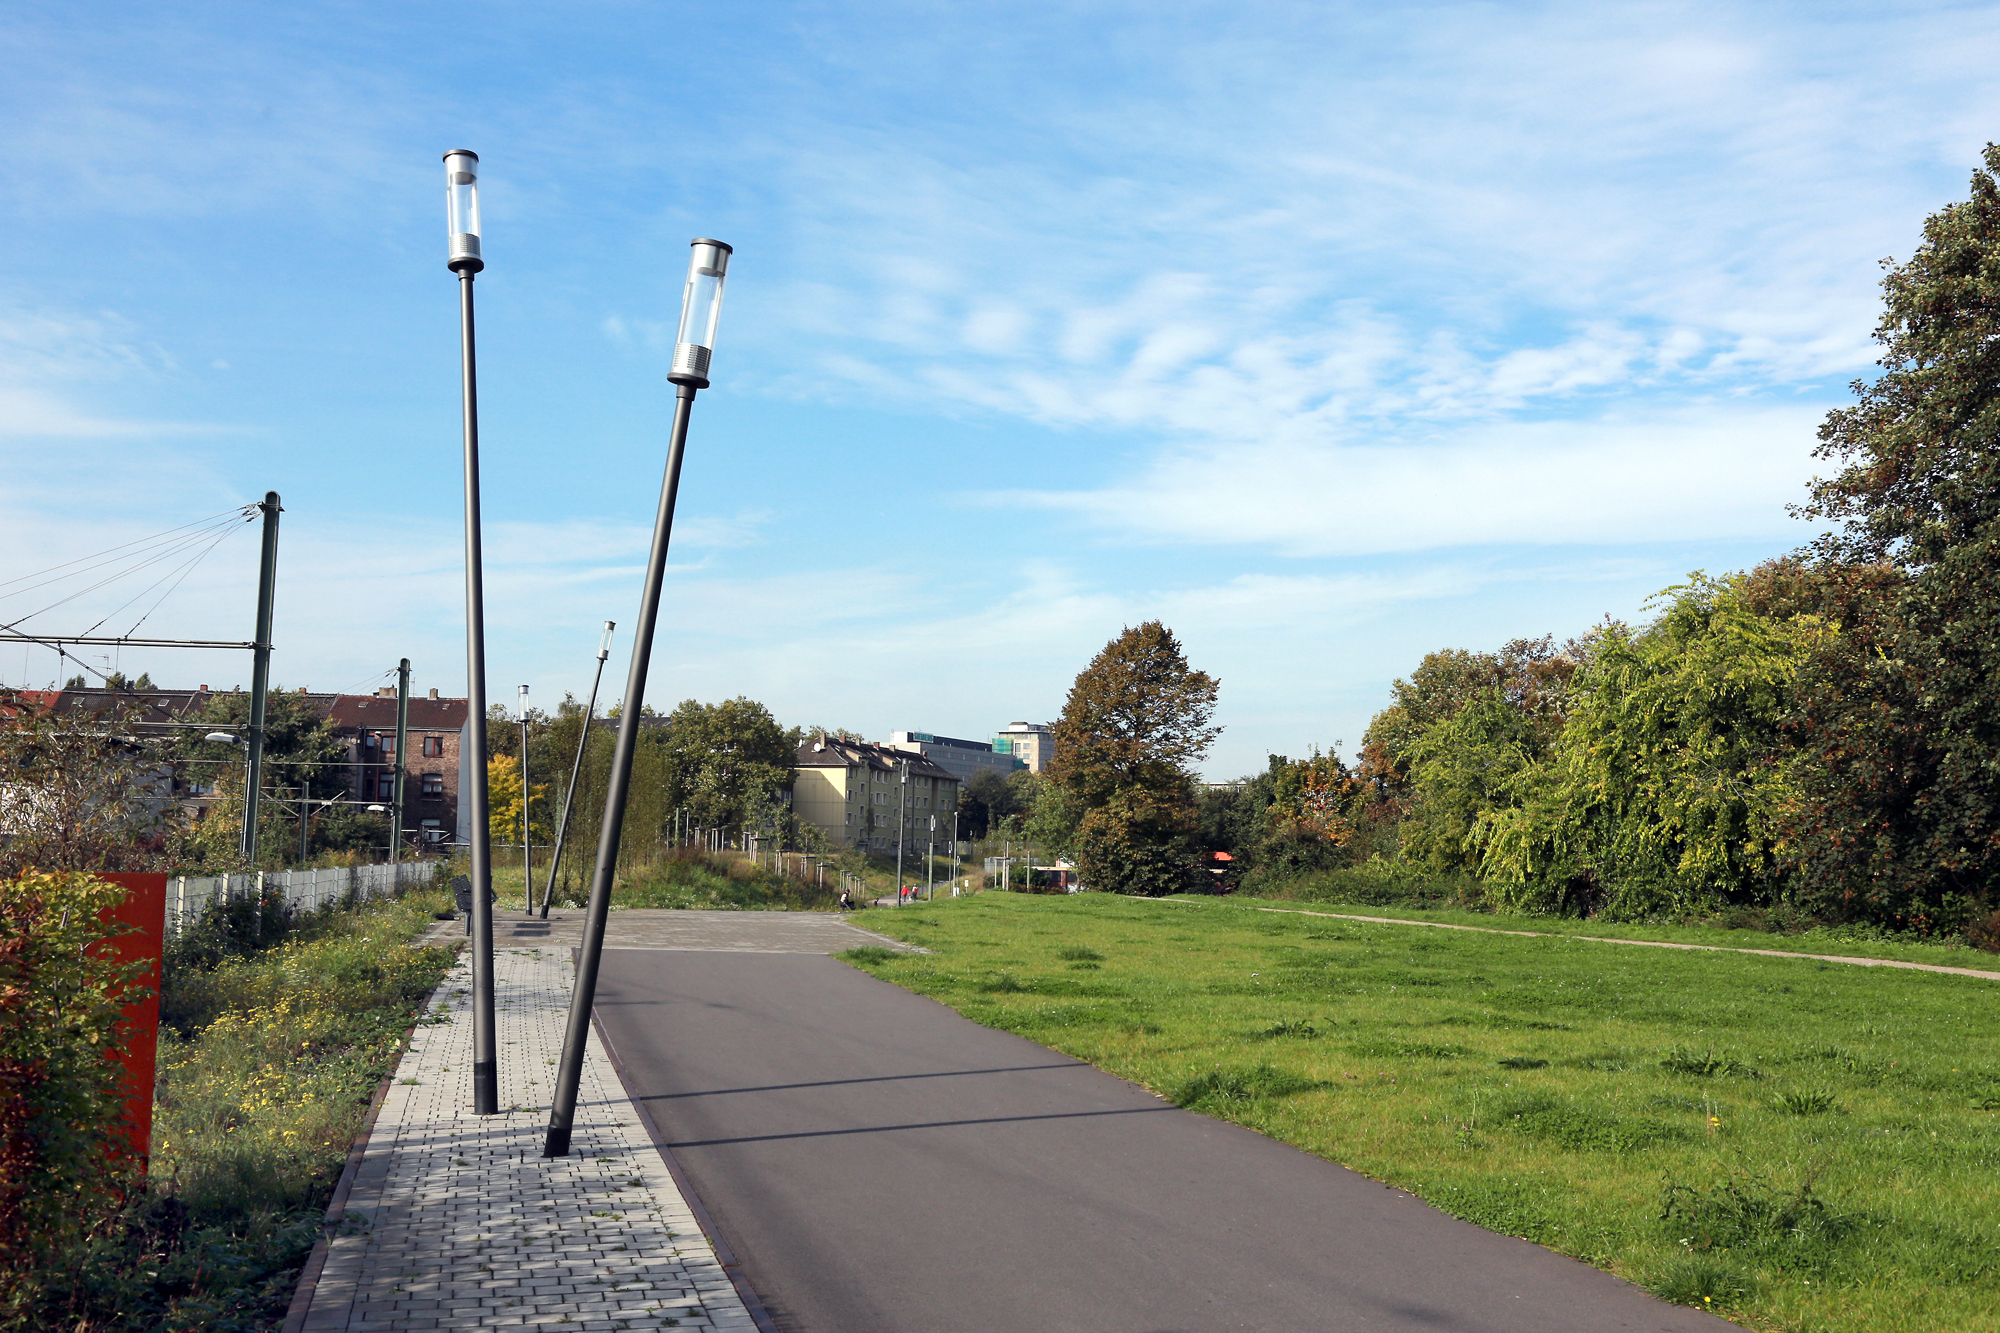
[1840, 941]
[1799, 1145]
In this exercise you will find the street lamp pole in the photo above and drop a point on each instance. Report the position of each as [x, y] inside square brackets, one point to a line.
[575, 768]
[527, 825]
[462, 212]
[402, 740]
[701, 305]
[930, 863]
[902, 801]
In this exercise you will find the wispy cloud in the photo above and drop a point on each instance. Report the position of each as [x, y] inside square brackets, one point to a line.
[1671, 476]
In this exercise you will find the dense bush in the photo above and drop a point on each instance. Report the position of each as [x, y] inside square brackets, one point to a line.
[268, 1056]
[65, 1164]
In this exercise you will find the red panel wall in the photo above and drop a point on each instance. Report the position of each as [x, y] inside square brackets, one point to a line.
[144, 909]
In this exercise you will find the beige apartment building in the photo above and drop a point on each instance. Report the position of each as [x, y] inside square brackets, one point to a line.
[858, 794]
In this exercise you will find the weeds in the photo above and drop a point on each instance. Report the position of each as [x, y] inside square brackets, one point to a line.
[1746, 1214]
[1219, 1086]
[1290, 1027]
[1704, 1064]
[1806, 1101]
[869, 955]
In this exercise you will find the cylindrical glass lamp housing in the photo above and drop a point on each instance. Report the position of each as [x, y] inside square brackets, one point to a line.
[524, 703]
[604, 648]
[701, 306]
[461, 188]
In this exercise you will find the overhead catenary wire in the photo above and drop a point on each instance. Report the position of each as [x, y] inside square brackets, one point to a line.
[245, 513]
[121, 565]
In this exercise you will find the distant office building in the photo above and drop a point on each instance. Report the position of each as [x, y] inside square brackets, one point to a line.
[856, 793]
[1033, 743]
[959, 757]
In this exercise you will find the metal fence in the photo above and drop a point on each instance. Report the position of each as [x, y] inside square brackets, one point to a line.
[300, 890]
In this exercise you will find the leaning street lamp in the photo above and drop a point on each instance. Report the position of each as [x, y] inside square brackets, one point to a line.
[461, 174]
[576, 767]
[701, 304]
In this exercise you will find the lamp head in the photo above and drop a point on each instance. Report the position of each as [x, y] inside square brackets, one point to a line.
[604, 648]
[701, 306]
[461, 189]
[222, 737]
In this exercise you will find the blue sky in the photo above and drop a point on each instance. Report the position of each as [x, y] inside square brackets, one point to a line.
[1328, 334]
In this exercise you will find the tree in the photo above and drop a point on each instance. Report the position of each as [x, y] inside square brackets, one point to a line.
[1136, 722]
[300, 746]
[986, 801]
[1899, 716]
[503, 802]
[1670, 787]
[81, 792]
[726, 762]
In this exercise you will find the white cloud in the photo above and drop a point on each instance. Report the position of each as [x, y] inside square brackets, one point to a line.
[1703, 474]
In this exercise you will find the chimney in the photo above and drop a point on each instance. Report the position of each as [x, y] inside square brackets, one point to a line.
[386, 692]
[434, 694]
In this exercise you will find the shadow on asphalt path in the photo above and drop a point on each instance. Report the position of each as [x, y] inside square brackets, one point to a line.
[881, 1165]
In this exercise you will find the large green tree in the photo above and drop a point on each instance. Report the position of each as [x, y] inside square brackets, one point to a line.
[1137, 721]
[1900, 717]
[725, 763]
[1670, 787]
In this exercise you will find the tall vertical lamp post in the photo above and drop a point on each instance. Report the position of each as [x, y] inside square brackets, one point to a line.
[527, 825]
[902, 803]
[461, 169]
[396, 773]
[701, 305]
[575, 768]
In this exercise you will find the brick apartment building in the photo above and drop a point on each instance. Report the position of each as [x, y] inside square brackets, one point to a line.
[365, 723]
[431, 770]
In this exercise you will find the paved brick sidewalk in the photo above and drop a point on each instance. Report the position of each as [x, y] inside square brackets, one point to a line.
[457, 1221]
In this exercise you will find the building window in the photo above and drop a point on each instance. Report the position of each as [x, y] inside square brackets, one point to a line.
[433, 784]
[850, 819]
[434, 747]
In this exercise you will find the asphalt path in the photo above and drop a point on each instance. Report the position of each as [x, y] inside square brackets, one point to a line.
[881, 1165]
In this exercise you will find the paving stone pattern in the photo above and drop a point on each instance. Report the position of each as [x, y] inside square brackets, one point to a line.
[457, 1221]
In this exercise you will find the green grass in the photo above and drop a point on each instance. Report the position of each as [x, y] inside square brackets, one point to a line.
[1799, 1144]
[268, 1059]
[1854, 941]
